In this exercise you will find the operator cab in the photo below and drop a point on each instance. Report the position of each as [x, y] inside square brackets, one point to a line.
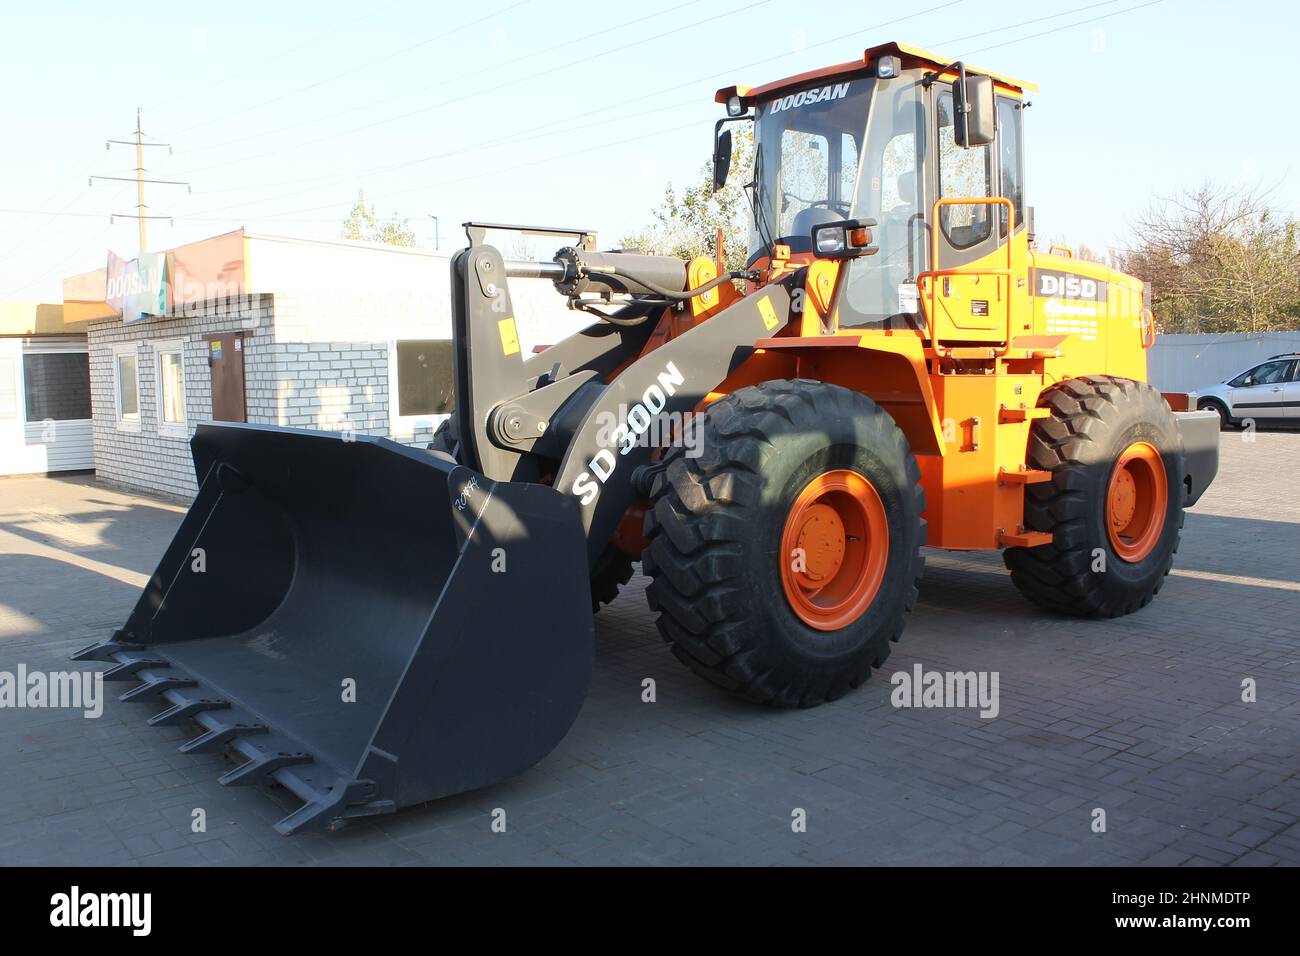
[880, 140]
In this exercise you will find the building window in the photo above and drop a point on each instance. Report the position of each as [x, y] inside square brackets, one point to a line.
[170, 370]
[421, 384]
[126, 387]
[57, 386]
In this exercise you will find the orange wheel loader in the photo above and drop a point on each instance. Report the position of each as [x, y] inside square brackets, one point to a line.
[375, 626]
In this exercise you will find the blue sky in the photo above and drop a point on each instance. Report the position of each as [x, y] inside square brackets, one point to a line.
[577, 113]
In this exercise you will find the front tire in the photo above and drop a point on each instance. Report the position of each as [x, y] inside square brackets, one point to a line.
[787, 462]
[1114, 506]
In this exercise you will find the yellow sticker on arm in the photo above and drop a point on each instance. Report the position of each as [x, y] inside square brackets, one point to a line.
[766, 310]
[509, 336]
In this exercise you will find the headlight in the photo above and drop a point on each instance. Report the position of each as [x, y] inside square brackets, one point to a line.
[830, 241]
[888, 66]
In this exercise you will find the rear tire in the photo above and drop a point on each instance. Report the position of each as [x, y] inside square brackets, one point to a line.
[721, 521]
[1211, 405]
[1097, 566]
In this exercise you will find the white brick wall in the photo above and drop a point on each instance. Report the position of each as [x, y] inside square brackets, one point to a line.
[311, 361]
[145, 458]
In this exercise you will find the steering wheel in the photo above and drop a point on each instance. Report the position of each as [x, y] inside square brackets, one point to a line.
[842, 208]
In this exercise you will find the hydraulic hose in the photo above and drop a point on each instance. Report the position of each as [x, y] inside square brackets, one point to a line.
[675, 296]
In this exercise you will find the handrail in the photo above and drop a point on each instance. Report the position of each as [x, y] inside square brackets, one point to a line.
[1147, 323]
[934, 272]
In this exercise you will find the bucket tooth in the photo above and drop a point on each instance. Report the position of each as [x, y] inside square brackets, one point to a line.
[127, 669]
[104, 650]
[186, 709]
[155, 686]
[307, 817]
[216, 739]
[332, 808]
[260, 768]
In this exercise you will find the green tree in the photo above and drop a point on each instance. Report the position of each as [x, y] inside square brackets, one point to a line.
[686, 223]
[362, 223]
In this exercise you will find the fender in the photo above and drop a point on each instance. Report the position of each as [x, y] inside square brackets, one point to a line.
[671, 380]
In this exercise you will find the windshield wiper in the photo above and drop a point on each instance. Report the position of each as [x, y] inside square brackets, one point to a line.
[757, 204]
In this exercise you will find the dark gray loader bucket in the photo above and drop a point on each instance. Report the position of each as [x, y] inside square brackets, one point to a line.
[366, 624]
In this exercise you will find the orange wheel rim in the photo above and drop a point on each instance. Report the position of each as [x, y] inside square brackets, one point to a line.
[834, 550]
[1136, 502]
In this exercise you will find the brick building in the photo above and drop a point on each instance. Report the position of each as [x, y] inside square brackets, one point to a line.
[332, 335]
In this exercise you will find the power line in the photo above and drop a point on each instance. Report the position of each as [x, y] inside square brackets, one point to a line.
[746, 8]
[1068, 26]
[30, 255]
[357, 69]
[617, 104]
[1065, 13]
[497, 172]
[283, 217]
[1025, 23]
[585, 38]
[279, 57]
[64, 264]
[484, 144]
[42, 212]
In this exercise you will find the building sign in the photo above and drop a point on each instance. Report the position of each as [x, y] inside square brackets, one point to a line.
[137, 288]
[208, 271]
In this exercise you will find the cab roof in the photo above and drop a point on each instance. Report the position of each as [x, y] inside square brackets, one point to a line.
[912, 56]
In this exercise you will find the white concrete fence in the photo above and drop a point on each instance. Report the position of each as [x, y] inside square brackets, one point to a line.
[1182, 363]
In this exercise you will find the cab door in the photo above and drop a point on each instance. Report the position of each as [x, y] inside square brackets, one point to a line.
[974, 238]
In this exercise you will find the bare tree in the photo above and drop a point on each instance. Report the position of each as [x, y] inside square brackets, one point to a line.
[1218, 259]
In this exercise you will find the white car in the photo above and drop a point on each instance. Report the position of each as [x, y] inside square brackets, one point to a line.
[1267, 392]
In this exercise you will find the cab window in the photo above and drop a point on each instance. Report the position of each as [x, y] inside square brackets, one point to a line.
[805, 163]
[881, 289]
[1011, 168]
[964, 173]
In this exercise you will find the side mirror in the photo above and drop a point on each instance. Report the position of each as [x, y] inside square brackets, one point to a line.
[843, 239]
[975, 121]
[721, 156]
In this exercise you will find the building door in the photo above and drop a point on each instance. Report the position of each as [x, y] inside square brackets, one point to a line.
[226, 360]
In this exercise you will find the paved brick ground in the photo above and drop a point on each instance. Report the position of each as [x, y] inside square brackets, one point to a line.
[1141, 717]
